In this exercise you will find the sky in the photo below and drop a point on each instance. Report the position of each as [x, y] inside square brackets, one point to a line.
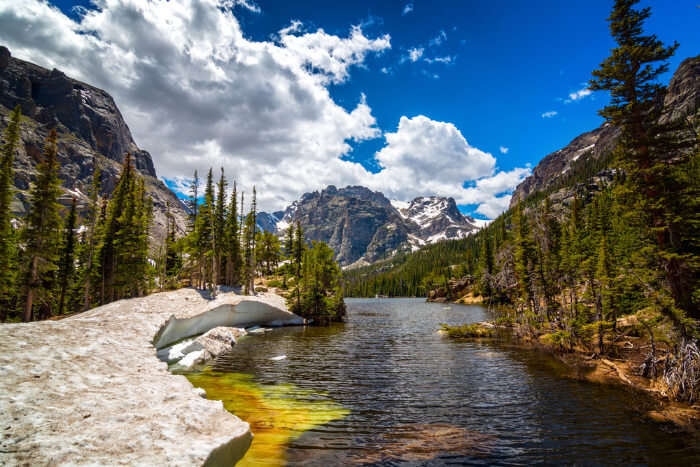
[410, 98]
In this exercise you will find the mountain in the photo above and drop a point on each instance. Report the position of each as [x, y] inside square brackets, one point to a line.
[89, 126]
[588, 155]
[363, 226]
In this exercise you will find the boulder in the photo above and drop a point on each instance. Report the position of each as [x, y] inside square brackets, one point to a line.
[216, 341]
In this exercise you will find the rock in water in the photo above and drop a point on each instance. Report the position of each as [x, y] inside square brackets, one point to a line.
[208, 346]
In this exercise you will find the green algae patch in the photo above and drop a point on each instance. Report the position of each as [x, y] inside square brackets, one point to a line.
[278, 414]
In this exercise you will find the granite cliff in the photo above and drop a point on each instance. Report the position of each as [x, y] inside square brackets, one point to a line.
[90, 128]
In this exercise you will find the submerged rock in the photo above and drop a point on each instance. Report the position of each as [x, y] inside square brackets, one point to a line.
[424, 442]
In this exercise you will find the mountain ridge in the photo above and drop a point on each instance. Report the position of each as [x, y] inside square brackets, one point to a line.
[363, 226]
[90, 128]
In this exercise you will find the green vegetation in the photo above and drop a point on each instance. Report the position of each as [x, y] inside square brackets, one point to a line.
[224, 247]
[48, 270]
[475, 330]
[570, 271]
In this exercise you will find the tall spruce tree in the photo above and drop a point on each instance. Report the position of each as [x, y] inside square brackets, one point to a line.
[204, 235]
[219, 229]
[66, 265]
[114, 231]
[42, 229]
[648, 154]
[7, 234]
[90, 263]
[233, 241]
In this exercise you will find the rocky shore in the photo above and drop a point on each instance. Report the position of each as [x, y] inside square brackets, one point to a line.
[90, 389]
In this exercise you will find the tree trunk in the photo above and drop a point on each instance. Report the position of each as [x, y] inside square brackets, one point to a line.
[30, 292]
[599, 318]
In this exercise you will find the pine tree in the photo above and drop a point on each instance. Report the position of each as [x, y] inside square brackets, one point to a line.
[299, 247]
[648, 151]
[249, 247]
[193, 203]
[7, 234]
[288, 252]
[233, 242]
[42, 230]
[90, 262]
[219, 228]
[204, 235]
[66, 266]
[113, 230]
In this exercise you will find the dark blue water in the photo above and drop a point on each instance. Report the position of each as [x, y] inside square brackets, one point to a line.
[417, 398]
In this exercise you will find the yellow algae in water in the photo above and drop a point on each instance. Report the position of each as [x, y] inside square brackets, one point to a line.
[278, 414]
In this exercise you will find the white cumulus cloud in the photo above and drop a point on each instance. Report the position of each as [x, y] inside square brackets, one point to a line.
[197, 93]
[503, 149]
[407, 9]
[550, 114]
[578, 95]
[414, 54]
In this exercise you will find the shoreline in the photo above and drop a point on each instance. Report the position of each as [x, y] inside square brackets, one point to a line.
[90, 389]
[584, 366]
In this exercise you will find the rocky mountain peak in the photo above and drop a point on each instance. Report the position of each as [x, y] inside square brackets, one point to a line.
[90, 128]
[363, 226]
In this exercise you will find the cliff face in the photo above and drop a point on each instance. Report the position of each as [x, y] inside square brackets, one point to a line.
[89, 126]
[362, 225]
[682, 99]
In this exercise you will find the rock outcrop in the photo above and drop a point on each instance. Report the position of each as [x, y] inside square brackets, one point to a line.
[682, 99]
[90, 390]
[90, 129]
[363, 226]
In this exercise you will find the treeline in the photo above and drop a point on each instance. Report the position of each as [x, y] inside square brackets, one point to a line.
[412, 274]
[49, 265]
[224, 247]
[570, 269]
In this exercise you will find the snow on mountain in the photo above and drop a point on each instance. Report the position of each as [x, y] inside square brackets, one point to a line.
[363, 226]
[437, 218]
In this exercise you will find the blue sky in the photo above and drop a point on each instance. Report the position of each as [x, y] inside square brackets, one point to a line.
[500, 74]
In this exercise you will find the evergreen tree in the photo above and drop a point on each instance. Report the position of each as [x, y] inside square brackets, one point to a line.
[90, 264]
[219, 229]
[631, 75]
[113, 229]
[66, 266]
[193, 202]
[41, 233]
[233, 241]
[7, 234]
[204, 235]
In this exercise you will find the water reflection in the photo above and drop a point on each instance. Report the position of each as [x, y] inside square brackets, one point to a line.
[400, 393]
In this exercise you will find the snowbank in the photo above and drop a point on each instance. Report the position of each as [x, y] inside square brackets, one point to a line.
[89, 389]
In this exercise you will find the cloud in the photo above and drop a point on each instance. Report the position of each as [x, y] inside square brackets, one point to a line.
[386, 70]
[427, 156]
[578, 95]
[503, 149]
[447, 60]
[247, 4]
[407, 9]
[550, 114]
[439, 39]
[197, 93]
[414, 54]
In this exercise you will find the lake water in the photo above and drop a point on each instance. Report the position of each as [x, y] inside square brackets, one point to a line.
[384, 388]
